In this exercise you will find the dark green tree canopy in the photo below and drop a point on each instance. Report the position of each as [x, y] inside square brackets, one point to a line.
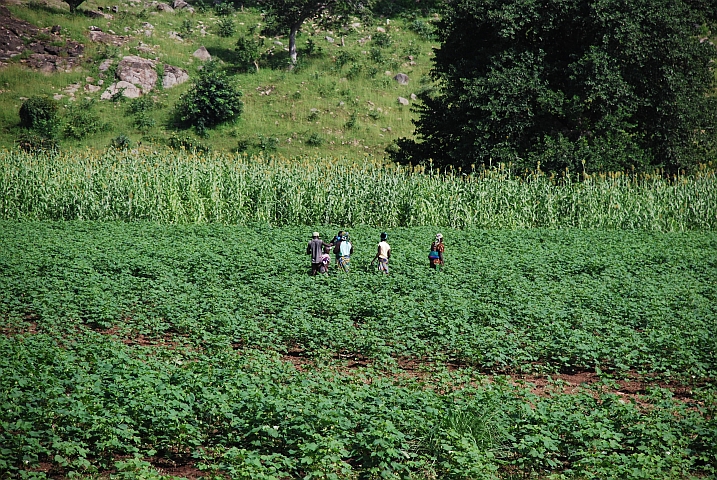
[287, 16]
[578, 84]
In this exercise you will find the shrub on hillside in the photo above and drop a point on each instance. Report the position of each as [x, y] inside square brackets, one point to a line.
[213, 99]
[39, 114]
[187, 142]
[247, 54]
[140, 108]
[34, 143]
[226, 27]
[82, 120]
[121, 142]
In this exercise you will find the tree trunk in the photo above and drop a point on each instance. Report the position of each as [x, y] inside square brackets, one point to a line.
[292, 43]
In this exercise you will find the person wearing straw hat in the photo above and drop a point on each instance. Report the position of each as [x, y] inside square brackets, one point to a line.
[315, 248]
[435, 255]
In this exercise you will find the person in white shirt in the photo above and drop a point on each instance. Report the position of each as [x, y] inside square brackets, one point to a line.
[346, 249]
[383, 254]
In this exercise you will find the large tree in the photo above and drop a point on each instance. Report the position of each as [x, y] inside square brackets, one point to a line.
[283, 16]
[578, 84]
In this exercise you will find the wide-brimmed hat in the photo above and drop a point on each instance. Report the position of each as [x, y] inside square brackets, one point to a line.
[315, 234]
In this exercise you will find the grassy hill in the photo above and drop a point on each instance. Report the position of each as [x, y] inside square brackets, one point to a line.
[341, 99]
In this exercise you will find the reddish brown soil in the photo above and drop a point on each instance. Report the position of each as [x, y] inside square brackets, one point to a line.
[631, 387]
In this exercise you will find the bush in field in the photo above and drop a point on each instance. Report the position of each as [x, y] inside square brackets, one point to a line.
[186, 142]
[247, 54]
[31, 142]
[314, 140]
[39, 114]
[121, 142]
[140, 108]
[213, 99]
[382, 40]
[226, 27]
[82, 120]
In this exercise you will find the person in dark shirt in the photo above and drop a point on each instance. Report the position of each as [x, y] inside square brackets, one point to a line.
[315, 248]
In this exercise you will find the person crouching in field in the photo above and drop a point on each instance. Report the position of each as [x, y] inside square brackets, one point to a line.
[383, 254]
[315, 248]
[325, 260]
[435, 255]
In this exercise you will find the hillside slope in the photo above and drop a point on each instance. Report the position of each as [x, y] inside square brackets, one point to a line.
[342, 99]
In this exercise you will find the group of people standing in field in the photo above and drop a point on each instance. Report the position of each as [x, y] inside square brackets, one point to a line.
[342, 249]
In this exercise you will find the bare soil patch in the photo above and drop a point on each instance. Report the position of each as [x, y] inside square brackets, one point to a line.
[38, 48]
[632, 386]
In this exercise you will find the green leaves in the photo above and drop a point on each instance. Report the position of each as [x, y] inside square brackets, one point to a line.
[131, 342]
[588, 86]
[212, 100]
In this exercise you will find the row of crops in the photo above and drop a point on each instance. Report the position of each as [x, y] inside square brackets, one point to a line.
[127, 342]
[179, 187]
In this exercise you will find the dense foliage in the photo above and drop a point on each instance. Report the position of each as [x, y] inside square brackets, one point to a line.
[180, 187]
[124, 339]
[213, 99]
[590, 85]
[40, 115]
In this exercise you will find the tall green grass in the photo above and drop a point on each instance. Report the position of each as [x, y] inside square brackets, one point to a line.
[182, 187]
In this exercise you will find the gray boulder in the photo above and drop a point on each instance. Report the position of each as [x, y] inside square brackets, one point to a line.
[202, 54]
[128, 90]
[138, 71]
[401, 78]
[173, 76]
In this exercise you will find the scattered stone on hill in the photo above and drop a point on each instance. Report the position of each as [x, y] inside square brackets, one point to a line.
[202, 54]
[98, 14]
[92, 88]
[414, 97]
[403, 101]
[163, 7]
[265, 90]
[105, 65]
[56, 29]
[182, 5]
[173, 76]
[401, 78]
[138, 71]
[144, 48]
[72, 89]
[98, 36]
[380, 29]
[128, 90]
[175, 36]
